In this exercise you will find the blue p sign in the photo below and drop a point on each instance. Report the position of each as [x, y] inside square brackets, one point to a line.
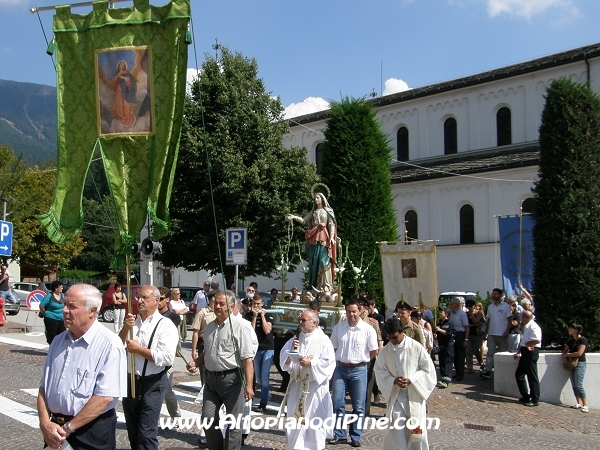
[236, 240]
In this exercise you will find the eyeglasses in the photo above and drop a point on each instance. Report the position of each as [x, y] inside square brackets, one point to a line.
[303, 320]
[250, 290]
[206, 284]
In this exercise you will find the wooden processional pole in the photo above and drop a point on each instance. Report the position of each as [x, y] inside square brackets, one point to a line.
[130, 311]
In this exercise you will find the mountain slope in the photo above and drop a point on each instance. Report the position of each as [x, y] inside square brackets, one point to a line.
[28, 119]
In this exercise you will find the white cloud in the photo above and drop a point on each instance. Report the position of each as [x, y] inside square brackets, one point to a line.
[310, 105]
[393, 85]
[529, 8]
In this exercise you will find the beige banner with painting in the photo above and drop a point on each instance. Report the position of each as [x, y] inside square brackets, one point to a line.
[409, 274]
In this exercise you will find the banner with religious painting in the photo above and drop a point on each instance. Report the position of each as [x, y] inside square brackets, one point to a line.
[121, 75]
[409, 274]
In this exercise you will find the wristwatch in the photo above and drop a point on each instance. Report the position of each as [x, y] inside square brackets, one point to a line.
[67, 426]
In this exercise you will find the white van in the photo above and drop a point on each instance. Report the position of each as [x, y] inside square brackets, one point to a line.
[445, 297]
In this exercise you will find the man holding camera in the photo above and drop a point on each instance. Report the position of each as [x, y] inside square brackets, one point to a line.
[263, 327]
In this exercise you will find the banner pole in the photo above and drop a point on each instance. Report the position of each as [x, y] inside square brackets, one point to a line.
[130, 311]
[72, 5]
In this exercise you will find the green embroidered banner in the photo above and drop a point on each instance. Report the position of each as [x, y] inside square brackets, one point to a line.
[121, 75]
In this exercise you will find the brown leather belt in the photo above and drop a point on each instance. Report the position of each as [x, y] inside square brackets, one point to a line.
[352, 365]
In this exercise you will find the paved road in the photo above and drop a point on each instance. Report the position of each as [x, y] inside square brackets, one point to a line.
[471, 416]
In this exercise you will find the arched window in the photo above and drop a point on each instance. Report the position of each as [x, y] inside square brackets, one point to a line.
[504, 126]
[450, 137]
[411, 225]
[319, 157]
[467, 225]
[527, 205]
[402, 145]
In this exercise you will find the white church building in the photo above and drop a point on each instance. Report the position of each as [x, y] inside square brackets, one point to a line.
[464, 152]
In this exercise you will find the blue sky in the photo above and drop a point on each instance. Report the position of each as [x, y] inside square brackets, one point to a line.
[324, 49]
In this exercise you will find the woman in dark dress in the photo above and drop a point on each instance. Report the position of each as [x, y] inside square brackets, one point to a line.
[576, 348]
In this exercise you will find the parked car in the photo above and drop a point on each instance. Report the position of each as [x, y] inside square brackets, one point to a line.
[107, 311]
[12, 308]
[22, 290]
[445, 297]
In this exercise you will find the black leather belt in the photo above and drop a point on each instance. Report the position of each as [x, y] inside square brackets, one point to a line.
[154, 377]
[351, 365]
[223, 372]
[60, 419]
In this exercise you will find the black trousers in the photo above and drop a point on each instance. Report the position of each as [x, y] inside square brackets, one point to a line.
[285, 375]
[460, 352]
[446, 357]
[143, 412]
[53, 328]
[528, 368]
[99, 433]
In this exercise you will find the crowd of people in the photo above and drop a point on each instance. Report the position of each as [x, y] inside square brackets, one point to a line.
[365, 358]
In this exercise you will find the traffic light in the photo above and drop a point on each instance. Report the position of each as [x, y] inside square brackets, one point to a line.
[149, 247]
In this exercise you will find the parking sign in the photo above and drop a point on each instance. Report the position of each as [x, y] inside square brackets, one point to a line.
[6, 235]
[236, 246]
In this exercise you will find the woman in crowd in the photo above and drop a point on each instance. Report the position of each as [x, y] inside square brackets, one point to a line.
[475, 316]
[178, 307]
[51, 308]
[514, 335]
[119, 300]
[576, 348]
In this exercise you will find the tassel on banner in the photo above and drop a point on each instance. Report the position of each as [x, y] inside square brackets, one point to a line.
[188, 35]
[51, 47]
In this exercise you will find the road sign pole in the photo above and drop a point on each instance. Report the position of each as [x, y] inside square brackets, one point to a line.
[236, 278]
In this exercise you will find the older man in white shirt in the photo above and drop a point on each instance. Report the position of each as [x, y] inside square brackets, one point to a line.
[83, 377]
[528, 355]
[154, 344]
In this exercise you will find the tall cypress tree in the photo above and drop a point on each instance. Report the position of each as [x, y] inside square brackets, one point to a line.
[356, 167]
[567, 213]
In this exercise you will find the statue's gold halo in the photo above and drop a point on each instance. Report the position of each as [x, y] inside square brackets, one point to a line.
[312, 189]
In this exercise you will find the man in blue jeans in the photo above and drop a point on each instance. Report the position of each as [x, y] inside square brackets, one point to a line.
[263, 326]
[355, 344]
[5, 292]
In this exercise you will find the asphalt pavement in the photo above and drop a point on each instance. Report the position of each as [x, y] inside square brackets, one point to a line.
[471, 415]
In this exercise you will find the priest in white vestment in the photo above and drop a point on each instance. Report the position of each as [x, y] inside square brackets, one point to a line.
[310, 360]
[406, 376]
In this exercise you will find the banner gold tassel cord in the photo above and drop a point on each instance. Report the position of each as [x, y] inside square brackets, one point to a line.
[130, 311]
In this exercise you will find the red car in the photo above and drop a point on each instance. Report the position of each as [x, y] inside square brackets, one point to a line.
[107, 312]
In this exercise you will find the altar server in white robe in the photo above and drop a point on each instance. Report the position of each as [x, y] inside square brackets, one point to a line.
[310, 360]
[406, 377]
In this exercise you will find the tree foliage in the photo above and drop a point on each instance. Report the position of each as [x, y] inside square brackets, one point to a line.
[356, 159]
[233, 121]
[98, 233]
[31, 245]
[567, 213]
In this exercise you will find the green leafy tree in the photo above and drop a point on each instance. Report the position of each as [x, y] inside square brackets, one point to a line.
[567, 213]
[31, 245]
[356, 159]
[98, 233]
[232, 120]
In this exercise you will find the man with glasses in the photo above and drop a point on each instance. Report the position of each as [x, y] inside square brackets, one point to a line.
[200, 300]
[226, 342]
[311, 366]
[83, 377]
[163, 308]
[406, 376]
[154, 344]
